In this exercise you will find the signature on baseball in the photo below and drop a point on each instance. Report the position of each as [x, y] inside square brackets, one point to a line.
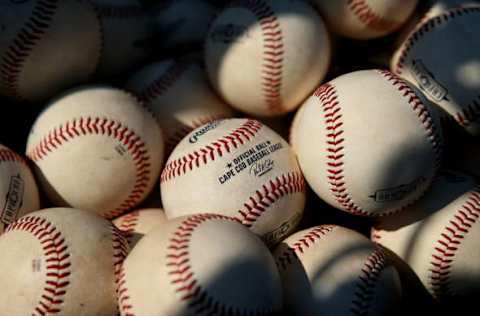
[260, 168]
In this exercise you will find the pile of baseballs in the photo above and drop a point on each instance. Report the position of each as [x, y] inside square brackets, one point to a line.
[246, 157]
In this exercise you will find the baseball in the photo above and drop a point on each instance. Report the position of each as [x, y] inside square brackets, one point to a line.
[46, 46]
[126, 36]
[264, 57]
[179, 94]
[18, 190]
[200, 265]
[439, 237]
[60, 262]
[448, 75]
[367, 143]
[138, 223]
[96, 148]
[238, 168]
[330, 270]
[365, 19]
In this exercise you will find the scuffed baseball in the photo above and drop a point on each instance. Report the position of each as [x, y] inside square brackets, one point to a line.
[46, 46]
[448, 75]
[365, 19]
[60, 261]
[264, 57]
[18, 190]
[127, 36]
[200, 265]
[238, 168]
[330, 270]
[138, 223]
[367, 143]
[96, 148]
[179, 94]
[439, 237]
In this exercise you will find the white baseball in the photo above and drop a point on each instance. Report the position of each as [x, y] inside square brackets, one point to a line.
[439, 237]
[264, 57]
[126, 36]
[138, 223]
[96, 148]
[60, 261]
[46, 46]
[200, 265]
[182, 23]
[367, 144]
[18, 190]
[330, 270]
[238, 168]
[426, 10]
[179, 94]
[365, 19]
[450, 76]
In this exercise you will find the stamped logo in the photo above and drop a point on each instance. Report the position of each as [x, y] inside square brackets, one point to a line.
[13, 199]
[396, 193]
[255, 159]
[281, 232]
[202, 131]
[229, 33]
[426, 81]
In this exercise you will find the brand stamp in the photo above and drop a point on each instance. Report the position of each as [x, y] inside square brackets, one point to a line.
[13, 199]
[279, 233]
[202, 131]
[427, 82]
[396, 193]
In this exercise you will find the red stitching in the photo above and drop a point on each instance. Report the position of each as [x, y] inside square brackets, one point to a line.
[363, 295]
[304, 242]
[120, 251]
[183, 130]
[128, 224]
[335, 148]
[335, 139]
[162, 83]
[107, 127]
[183, 278]
[367, 16]
[124, 298]
[426, 26]
[449, 242]
[119, 11]
[177, 167]
[7, 155]
[273, 52]
[23, 44]
[421, 111]
[57, 258]
[375, 235]
[366, 283]
[470, 113]
[270, 192]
